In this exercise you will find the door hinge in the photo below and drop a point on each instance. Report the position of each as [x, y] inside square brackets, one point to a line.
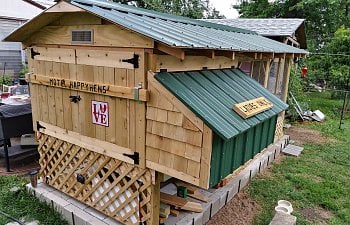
[135, 157]
[33, 53]
[39, 126]
[134, 60]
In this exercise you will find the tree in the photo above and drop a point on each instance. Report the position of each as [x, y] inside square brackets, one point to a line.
[323, 18]
[196, 9]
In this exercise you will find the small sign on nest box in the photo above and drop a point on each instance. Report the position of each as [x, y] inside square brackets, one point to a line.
[252, 107]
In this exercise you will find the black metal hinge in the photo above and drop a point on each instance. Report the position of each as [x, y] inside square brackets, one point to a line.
[33, 53]
[38, 126]
[135, 157]
[134, 60]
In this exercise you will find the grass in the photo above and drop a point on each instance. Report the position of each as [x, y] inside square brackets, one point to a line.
[318, 179]
[21, 204]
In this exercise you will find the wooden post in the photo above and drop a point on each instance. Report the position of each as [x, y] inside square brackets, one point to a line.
[155, 199]
[280, 73]
[267, 72]
[286, 77]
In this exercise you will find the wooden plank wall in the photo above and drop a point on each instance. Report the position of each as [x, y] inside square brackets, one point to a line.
[127, 123]
[173, 142]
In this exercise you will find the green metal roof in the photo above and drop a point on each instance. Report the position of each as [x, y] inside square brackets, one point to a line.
[182, 32]
[211, 94]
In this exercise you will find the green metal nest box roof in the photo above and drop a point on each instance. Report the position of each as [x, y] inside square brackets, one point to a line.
[211, 94]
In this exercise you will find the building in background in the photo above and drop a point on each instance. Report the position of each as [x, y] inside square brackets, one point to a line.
[289, 31]
[14, 13]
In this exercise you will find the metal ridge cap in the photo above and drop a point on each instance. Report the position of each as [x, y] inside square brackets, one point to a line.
[160, 15]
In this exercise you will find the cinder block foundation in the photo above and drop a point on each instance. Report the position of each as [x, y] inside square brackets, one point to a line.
[77, 213]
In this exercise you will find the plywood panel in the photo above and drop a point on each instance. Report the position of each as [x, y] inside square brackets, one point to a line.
[104, 35]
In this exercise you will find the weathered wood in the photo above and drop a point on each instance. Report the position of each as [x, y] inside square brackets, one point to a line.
[180, 202]
[164, 210]
[82, 85]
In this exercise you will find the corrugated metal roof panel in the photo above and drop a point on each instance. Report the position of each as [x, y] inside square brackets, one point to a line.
[211, 94]
[265, 27]
[183, 32]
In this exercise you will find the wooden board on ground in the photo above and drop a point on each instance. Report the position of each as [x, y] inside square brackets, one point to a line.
[181, 203]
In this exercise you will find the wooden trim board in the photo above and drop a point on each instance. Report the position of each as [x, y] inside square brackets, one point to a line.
[91, 144]
[89, 87]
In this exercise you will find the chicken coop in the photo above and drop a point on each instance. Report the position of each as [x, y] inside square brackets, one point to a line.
[121, 95]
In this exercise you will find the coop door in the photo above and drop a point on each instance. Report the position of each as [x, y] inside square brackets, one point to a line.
[98, 94]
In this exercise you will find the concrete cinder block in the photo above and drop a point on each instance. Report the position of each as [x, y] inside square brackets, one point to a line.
[111, 221]
[56, 200]
[61, 194]
[96, 221]
[233, 191]
[80, 217]
[215, 206]
[95, 213]
[77, 203]
[206, 213]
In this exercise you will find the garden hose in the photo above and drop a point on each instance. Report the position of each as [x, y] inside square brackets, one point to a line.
[11, 218]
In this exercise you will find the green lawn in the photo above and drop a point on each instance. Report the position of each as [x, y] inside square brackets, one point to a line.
[318, 182]
[21, 204]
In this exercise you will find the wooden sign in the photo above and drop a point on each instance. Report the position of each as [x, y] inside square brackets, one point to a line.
[90, 87]
[252, 107]
[100, 113]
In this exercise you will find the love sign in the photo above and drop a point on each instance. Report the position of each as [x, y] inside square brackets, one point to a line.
[100, 113]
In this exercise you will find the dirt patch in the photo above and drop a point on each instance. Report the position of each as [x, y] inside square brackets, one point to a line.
[302, 135]
[241, 210]
[317, 215]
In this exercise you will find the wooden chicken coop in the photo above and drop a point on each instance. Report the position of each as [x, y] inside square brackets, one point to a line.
[121, 95]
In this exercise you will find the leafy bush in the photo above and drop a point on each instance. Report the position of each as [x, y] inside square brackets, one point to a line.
[5, 79]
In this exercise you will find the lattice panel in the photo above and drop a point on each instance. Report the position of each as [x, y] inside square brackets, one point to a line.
[279, 127]
[115, 188]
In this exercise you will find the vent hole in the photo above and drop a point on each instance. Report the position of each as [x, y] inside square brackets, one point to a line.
[82, 36]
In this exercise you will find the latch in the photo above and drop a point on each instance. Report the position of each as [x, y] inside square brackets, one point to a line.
[75, 98]
[134, 60]
[33, 53]
[136, 91]
[135, 157]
